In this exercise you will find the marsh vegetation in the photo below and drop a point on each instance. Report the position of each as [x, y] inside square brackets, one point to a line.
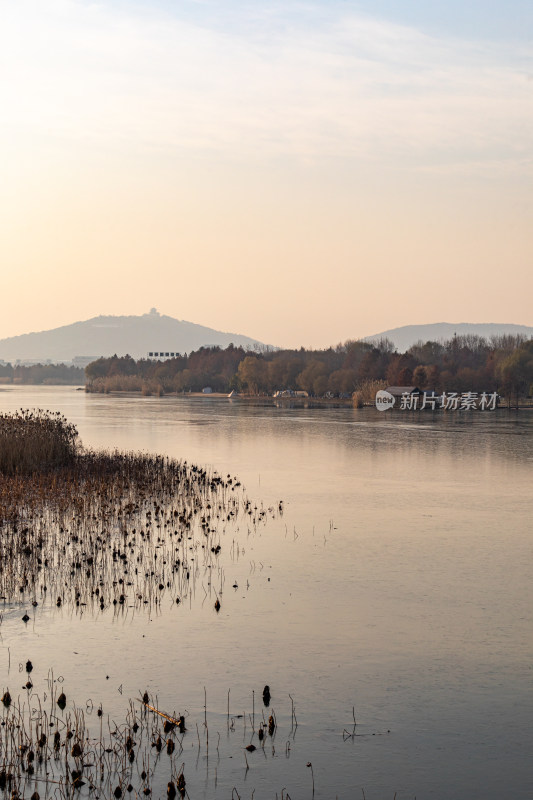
[35, 441]
[95, 532]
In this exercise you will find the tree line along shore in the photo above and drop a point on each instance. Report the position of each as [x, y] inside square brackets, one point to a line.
[41, 374]
[355, 369]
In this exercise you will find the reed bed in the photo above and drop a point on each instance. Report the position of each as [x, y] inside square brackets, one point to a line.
[52, 748]
[103, 529]
[32, 440]
[115, 529]
[97, 531]
[128, 383]
[54, 751]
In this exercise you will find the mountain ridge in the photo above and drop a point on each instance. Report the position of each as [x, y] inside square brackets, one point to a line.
[406, 336]
[105, 335]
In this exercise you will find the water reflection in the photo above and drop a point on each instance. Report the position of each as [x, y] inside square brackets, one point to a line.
[398, 581]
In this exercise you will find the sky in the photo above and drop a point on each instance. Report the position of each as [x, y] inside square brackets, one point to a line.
[300, 172]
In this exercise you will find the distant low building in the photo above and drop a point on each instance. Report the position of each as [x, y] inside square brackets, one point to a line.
[207, 390]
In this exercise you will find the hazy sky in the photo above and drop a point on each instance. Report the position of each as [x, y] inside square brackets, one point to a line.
[300, 172]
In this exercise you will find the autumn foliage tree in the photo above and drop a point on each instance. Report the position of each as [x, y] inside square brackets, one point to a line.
[464, 363]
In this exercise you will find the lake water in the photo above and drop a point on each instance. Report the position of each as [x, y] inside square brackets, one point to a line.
[397, 582]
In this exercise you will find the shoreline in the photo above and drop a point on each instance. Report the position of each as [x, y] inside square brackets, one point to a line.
[304, 402]
[288, 402]
[250, 399]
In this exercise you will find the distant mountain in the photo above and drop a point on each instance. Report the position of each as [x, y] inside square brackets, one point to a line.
[404, 337]
[105, 336]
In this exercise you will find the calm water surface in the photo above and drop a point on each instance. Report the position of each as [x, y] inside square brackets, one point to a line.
[398, 582]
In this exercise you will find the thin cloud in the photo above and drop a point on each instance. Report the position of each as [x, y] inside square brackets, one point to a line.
[277, 84]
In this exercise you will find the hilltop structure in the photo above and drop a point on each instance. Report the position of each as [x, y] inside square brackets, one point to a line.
[137, 336]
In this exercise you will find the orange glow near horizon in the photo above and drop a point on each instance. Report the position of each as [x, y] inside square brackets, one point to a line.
[302, 191]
